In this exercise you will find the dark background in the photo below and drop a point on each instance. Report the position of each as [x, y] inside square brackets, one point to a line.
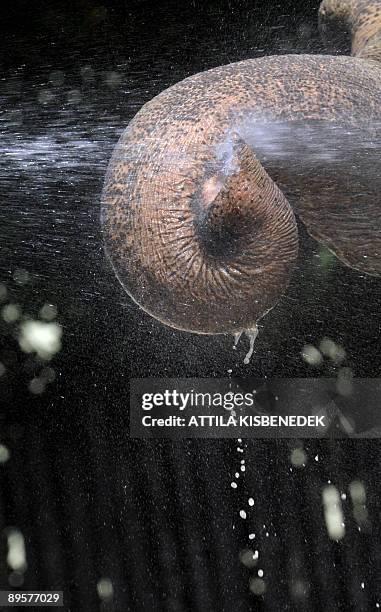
[158, 519]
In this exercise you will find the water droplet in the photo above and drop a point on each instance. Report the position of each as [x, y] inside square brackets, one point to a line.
[252, 335]
[236, 338]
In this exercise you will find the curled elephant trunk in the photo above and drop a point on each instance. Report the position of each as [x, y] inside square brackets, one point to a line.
[208, 250]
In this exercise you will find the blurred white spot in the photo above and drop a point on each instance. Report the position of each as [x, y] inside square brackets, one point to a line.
[257, 586]
[358, 496]
[333, 513]
[233, 485]
[105, 588]
[48, 312]
[311, 355]
[4, 454]
[260, 573]
[37, 386]
[11, 312]
[298, 457]
[357, 491]
[242, 514]
[329, 348]
[39, 337]
[251, 536]
[248, 558]
[334, 351]
[16, 557]
[251, 501]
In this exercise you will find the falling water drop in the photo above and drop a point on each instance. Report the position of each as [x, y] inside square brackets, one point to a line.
[251, 334]
[237, 336]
